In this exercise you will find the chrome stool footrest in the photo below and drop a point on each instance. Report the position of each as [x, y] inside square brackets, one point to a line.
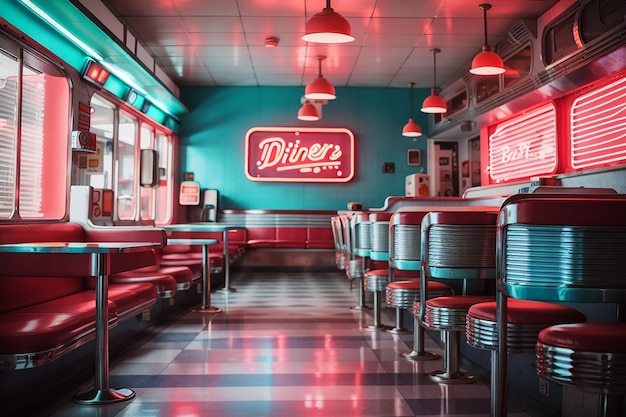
[340, 260]
[354, 268]
[448, 315]
[402, 297]
[373, 282]
[376, 281]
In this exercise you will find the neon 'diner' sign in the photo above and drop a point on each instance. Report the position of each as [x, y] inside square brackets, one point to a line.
[299, 154]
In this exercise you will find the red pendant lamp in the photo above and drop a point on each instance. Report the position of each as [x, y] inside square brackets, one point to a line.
[411, 129]
[327, 26]
[434, 103]
[487, 62]
[308, 112]
[320, 88]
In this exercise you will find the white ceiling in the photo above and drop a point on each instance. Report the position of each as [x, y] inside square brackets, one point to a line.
[221, 42]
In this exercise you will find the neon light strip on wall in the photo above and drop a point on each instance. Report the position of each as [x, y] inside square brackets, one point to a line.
[598, 127]
[45, 16]
[524, 146]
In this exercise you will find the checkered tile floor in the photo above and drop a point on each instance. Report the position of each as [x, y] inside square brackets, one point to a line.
[285, 345]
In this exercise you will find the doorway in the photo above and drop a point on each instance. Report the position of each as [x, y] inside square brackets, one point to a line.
[445, 169]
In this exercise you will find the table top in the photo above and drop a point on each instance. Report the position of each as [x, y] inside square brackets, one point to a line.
[191, 241]
[78, 247]
[201, 227]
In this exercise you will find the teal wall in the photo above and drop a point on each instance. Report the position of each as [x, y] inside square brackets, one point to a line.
[212, 144]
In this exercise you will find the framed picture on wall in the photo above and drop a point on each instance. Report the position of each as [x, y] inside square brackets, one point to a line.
[413, 157]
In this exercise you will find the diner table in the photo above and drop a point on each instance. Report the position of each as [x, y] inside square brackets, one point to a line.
[99, 265]
[206, 306]
[211, 227]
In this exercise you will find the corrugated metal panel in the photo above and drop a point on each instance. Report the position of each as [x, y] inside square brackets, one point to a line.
[598, 127]
[524, 147]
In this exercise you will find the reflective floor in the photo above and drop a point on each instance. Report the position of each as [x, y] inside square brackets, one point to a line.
[285, 345]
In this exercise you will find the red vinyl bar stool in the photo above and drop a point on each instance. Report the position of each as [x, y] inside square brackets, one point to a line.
[355, 265]
[525, 319]
[404, 253]
[567, 248]
[379, 243]
[405, 247]
[459, 245]
[361, 240]
[340, 243]
[376, 279]
[352, 266]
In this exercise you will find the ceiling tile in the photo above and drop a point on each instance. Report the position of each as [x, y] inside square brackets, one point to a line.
[147, 24]
[204, 8]
[201, 42]
[210, 24]
[271, 8]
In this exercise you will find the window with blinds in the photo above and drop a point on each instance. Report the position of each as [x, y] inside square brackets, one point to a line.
[164, 192]
[31, 149]
[524, 147]
[8, 122]
[598, 127]
[32, 186]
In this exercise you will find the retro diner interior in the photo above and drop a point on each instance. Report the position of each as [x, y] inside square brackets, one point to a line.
[208, 210]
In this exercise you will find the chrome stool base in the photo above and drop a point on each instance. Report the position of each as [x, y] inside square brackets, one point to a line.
[418, 353]
[376, 284]
[401, 295]
[399, 330]
[443, 377]
[361, 308]
[414, 355]
[376, 328]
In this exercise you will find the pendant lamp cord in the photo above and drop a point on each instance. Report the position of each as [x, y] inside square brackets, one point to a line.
[485, 7]
[485, 23]
[435, 50]
[319, 66]
[328, 4]
[411, 109]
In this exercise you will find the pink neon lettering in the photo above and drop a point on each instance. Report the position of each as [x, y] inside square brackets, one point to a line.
[521, 152]
[276, 151]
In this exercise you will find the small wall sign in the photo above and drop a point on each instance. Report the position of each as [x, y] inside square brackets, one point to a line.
[189, 194]
[414, 157]
[297, 154]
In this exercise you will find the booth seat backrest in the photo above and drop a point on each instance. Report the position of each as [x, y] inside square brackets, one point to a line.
[25, 282]
[320, 238]
[176, 249]
[62, 232]
[19, 292]
[292, 237]
[295, 229]
[237, 236]
[261, 236]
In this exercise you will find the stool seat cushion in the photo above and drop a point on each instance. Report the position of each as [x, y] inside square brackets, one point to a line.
[415, 285]
[530, 312]
[397, 273]
[379, 265]
[406, 274]
[377, 273]
[590, 337]
[458, 301]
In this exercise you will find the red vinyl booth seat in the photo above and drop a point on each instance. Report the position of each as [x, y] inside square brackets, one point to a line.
[47, 308]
